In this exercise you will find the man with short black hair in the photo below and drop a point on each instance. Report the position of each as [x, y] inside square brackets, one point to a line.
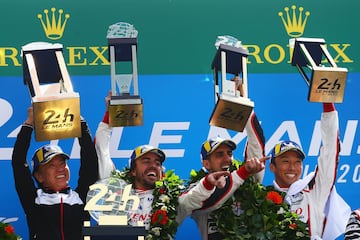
[208, 194]
[314, 197]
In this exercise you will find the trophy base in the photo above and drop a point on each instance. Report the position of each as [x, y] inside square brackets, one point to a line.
[327, 85]
[111, 232]
[231, 112]
[57, 118]
[125, 111]
[105, 220]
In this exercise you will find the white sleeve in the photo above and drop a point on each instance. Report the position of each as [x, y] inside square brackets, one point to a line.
[255, 146]
[325, 172]
[192, 200]
[102, 146]
[328, 158]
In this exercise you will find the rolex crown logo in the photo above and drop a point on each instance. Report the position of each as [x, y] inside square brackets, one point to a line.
[53, 25]
[294, 24]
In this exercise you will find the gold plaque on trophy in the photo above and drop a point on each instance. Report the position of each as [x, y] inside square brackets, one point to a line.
[327, 86]
[57, 119]
[125, 115]
[231, 114]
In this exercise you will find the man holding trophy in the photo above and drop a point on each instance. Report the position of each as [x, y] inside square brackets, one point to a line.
[207, 194]
[53, 209]
[153, 211]
[220, 177]
[145, 173]
[314, 198]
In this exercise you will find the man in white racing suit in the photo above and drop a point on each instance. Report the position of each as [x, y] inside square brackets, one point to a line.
[145, 168]
[212, 191]
[314, 197]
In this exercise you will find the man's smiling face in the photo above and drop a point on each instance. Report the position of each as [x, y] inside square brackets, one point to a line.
[287, 168]
[147, 171]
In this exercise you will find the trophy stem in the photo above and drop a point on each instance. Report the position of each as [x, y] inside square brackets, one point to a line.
[135, 70]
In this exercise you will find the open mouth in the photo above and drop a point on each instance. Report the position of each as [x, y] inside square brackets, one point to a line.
[151, 174]
[290, 175]
[226, 168]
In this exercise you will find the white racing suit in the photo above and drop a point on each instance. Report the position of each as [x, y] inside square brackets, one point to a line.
[202, 198]
[308, 197]
[143, 213]
[106, 166]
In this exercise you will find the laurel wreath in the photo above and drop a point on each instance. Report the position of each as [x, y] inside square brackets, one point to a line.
[163, 225]
[264, 215]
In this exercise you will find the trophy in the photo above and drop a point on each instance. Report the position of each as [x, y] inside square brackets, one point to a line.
[56, 107]
[232, 105]
[325, 79]
[124, 109]
[109, 202]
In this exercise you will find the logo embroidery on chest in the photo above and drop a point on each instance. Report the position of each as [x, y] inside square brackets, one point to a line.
[297, 198]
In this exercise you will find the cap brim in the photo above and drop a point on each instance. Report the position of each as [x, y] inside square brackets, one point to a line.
[294, 149]
[229, 143]
[53, 156]
[156, 151]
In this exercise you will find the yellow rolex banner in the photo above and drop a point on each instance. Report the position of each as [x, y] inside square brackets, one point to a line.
[181, 44]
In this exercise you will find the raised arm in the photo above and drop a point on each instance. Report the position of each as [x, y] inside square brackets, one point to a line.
[329, 151]
[24, 182]
[102, 144]
[255, 146]
[325, 174]
[88, 173]
[215, 188]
